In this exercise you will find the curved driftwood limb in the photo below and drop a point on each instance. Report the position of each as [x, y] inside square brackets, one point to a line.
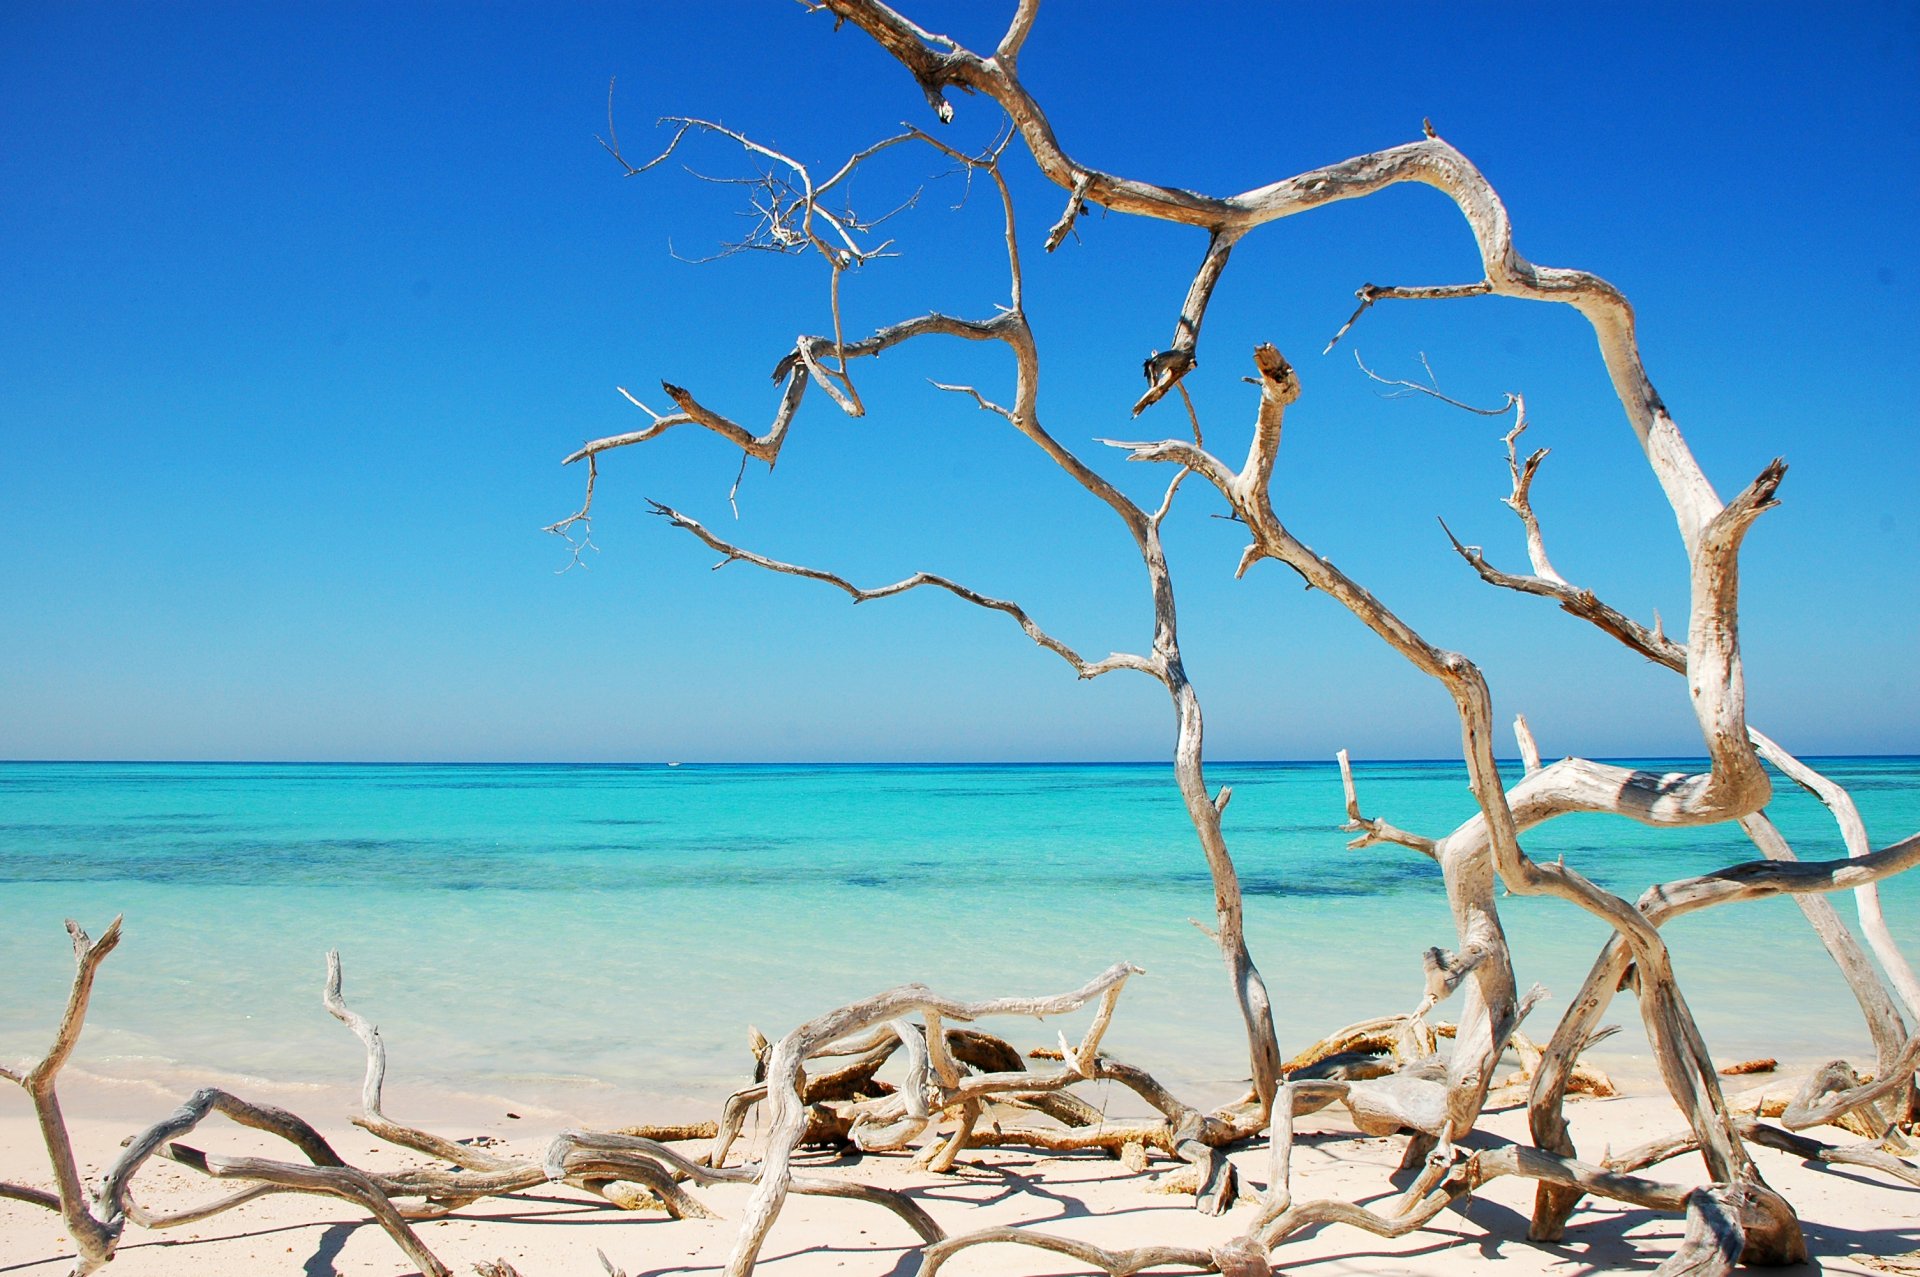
[1870, 1155]
[783, 1076]
[1739, 1211]
[1430, 161]
[824, 1087]
[1492, 996]
[1576, 602]
[733, 1115]
[1164, 369]
[1661, 904]
[372, 1117]
[1117, 1263]
[596, 1165]
[612, 1147]
[1853, 833]
[947, 1074]
[30, 1195]
[374, 1120]
[1546, 582]
[1757, 878]
[147, 1219]
[115, 1184]
[343, 1182]
[1833, 1091]
[1432, 1191]
[1401, 1036]
[1883, 1020]
[115, 1191]
[1279, 1195]
[95, 1238]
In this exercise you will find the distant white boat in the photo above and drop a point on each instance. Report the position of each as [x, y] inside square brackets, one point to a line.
[673, 764]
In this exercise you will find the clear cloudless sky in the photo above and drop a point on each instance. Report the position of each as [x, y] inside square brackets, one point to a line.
[302, 304]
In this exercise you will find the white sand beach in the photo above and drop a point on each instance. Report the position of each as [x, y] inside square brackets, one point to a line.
[1849, 1214]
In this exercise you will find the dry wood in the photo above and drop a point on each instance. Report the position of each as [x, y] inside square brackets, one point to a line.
[343, 1182]
[1757, 1132]
[1766, 1065]
[1486, 851]
[792, 1050]
[94, 1237]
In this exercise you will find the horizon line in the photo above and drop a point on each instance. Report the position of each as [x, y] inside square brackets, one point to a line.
[802, 762]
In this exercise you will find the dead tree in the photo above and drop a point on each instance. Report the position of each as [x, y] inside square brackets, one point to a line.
[1736, 1214]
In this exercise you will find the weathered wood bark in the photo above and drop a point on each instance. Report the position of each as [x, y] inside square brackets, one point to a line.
[1883, 1020]
[94, 1237]
[791, 1052]
[1757, 1132]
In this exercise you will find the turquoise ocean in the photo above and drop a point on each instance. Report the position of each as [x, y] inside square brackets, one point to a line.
[599, 937]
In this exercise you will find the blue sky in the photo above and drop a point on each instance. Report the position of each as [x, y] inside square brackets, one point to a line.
[303, 304]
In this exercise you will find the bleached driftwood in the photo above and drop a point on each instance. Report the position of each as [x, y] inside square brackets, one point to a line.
[1486, 851]
[602, 1162]
[95, 1236]
[1882, 1018]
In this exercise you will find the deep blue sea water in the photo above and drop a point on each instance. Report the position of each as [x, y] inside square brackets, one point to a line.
[593, 931]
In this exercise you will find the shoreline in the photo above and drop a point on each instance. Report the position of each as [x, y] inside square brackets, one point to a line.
[141, 1088]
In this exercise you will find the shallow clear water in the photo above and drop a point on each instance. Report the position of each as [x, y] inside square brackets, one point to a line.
[556, 931]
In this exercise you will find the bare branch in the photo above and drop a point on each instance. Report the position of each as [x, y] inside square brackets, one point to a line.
[1082, 667]
[372, 1117]
[1529, 752]
[1165, 369]
[985, 404]
[1371, 293]
[96, 1238]
[1076, 209]
[1853, 833]
[1520, 501]
[1586, 605]
[1374, 831]
[1431, 389]
[611, 142]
